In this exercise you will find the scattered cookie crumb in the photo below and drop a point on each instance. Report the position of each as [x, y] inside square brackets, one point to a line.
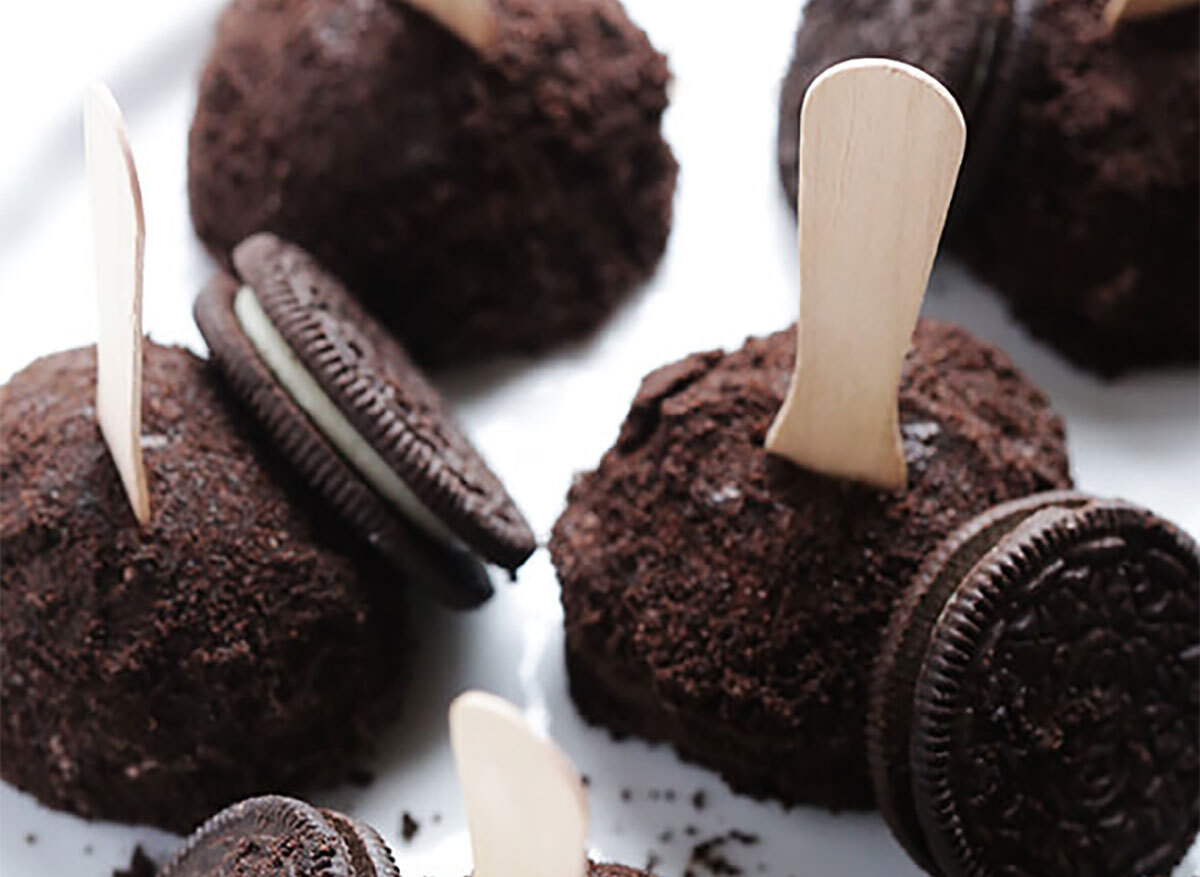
[709, 857]
[141, 865]
[700, 799]
[30, 839]
[408, 827]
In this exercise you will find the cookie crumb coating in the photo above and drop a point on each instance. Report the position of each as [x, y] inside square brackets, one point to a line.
[154, 675]
[726, 601]
[479, 204]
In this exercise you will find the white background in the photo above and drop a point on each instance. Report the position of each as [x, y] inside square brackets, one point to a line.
[730, 271]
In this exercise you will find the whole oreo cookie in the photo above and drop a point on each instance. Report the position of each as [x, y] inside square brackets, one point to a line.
[272, 835]
[353, 413]
[1035, 709]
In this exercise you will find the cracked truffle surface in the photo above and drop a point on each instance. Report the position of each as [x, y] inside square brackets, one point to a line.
[731, 603]
[230, 647]
[481, 204]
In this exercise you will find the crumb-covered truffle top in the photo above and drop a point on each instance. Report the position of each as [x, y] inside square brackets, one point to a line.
[731, 580]
[149, 674]
[480, 201]
[218, 504]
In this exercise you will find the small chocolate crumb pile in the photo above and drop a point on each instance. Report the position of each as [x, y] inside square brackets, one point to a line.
[409, 827]
[141, 865]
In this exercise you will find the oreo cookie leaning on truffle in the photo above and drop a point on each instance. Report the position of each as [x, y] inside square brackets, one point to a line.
[1035, 708]
[731, 601]
[493, 188]
[272, 835]
[1081, 191]
[153, 674]
[344, 403]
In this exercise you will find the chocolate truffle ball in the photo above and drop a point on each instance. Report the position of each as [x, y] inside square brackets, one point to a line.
[229, 647]
[481, 202]
[1080, 195]
[731, 603]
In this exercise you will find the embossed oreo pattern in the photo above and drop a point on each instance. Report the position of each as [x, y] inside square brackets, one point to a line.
[1057, 711]
[367, 374]
[259, 836]
[890, 714]
[368, 851]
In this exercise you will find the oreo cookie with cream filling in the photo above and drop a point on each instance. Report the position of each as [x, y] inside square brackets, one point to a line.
[353, 413]
[1035, 708]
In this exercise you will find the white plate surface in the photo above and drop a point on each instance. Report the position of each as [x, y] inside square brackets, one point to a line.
[730, 271]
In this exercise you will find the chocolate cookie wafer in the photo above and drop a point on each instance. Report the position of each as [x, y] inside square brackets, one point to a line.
[978, 48]
[272, 835]
[368, 851]
[348, 407]
[1035, 709]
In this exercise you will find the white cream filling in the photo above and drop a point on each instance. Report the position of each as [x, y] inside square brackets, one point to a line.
[325, 416]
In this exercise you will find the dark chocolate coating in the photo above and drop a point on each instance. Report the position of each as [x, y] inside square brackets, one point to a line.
[481, 204]
[155, 675]
[731, 603]
[1083, 185]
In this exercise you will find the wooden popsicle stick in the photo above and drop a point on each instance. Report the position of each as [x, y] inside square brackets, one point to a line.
[473, 21]
[1126, 10]
[880, 148]
[119, 234]
[526, 809]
